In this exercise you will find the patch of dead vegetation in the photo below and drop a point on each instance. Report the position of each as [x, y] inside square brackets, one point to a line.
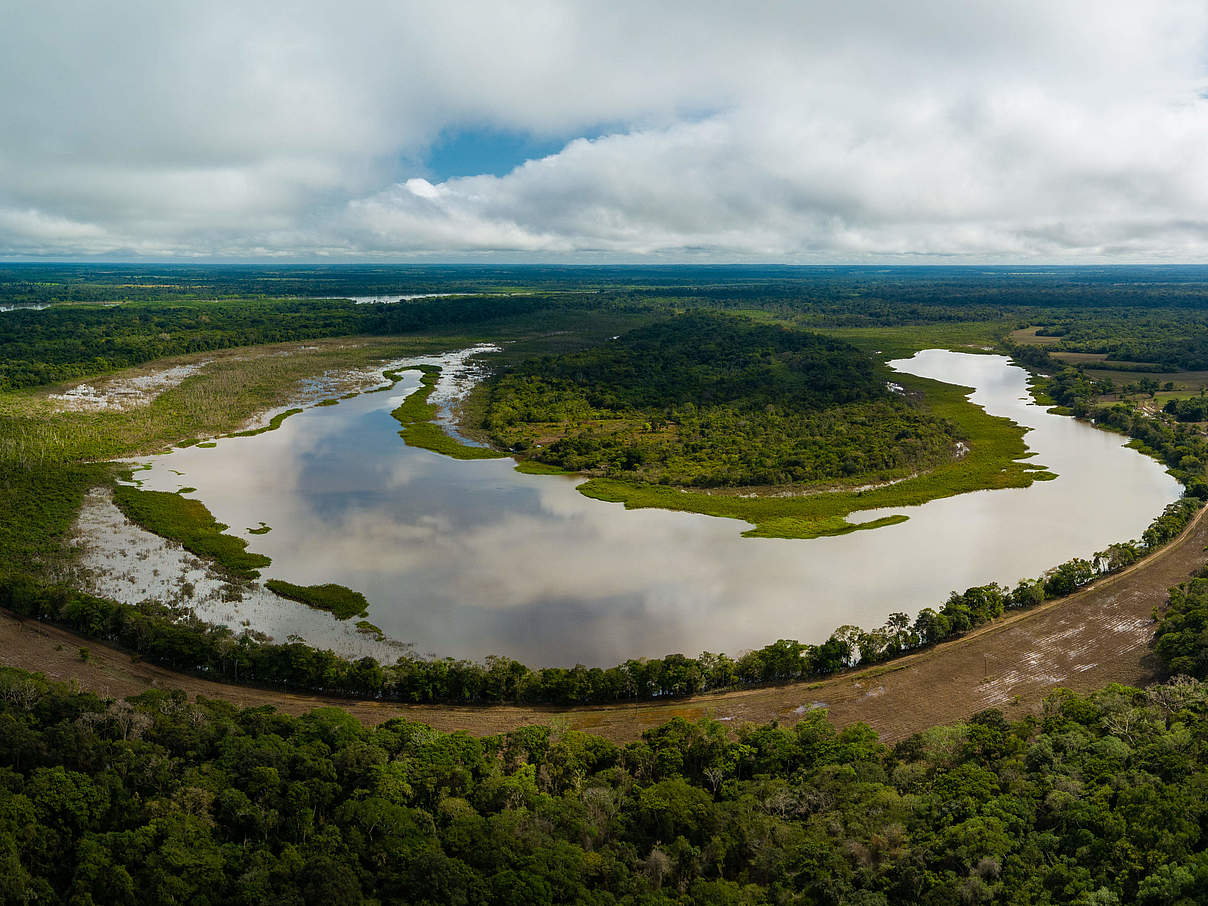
[120, 394]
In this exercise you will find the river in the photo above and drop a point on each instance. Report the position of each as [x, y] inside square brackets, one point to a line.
[472, 558]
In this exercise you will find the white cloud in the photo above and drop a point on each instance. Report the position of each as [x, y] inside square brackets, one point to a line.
[808, 131]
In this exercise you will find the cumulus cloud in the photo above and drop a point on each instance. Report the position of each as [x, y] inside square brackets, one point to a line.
[812, 131]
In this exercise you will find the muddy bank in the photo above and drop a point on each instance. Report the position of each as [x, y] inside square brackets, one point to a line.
[117, 559]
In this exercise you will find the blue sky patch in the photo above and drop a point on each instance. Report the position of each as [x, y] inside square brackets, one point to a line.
[471, 152]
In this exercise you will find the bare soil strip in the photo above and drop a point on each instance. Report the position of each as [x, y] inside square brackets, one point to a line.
[1098, 636]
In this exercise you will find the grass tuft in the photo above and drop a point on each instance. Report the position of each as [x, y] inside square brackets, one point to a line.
[533, 467]
[273, 425]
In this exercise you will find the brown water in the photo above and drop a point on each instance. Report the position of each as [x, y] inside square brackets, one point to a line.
[472, 558]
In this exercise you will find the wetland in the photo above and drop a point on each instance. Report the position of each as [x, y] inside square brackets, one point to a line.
[469, 558]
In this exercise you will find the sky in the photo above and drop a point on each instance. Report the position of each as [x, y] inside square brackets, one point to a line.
[863, 131]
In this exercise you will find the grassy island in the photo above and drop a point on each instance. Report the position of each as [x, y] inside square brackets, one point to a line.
[343, 603]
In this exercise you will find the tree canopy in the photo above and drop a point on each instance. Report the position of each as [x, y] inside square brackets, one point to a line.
[1101, 799]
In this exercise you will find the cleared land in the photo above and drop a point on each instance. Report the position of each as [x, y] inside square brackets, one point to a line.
[1183, 380]
[1095, 637]
[1098, 368]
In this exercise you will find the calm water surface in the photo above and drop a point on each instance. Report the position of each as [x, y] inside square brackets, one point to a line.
[471, 558]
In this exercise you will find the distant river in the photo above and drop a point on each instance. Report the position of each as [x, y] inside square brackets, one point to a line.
[471, 558]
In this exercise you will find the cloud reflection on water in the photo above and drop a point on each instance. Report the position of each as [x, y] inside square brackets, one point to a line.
[471, 558]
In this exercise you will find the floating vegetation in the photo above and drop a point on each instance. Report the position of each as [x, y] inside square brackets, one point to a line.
[364, 626]
[342, 603]
[533, 467]
[273, 424]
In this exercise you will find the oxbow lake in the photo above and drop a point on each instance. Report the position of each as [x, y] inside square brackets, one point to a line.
[471, 558]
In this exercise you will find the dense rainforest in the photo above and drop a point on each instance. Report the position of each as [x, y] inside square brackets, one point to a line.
[65, 342]
[706, 399]
[1100, 800]
[1181, 639]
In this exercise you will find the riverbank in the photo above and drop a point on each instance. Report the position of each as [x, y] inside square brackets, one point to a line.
[1096, 636]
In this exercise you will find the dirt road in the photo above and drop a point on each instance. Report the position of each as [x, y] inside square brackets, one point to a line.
[1095, 637]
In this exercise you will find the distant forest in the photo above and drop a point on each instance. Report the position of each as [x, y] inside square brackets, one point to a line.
[1072, 287]
[1156, 315]
[67, 342]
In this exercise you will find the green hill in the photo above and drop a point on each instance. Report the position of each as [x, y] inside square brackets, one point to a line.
[713, 400]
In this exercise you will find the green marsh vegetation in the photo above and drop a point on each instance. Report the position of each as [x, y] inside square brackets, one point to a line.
[273, 423]
[370, 629]
[38, 507]
[50, 457]
[182, 519]
[415, 414]
[343, 603]
[216, 401]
